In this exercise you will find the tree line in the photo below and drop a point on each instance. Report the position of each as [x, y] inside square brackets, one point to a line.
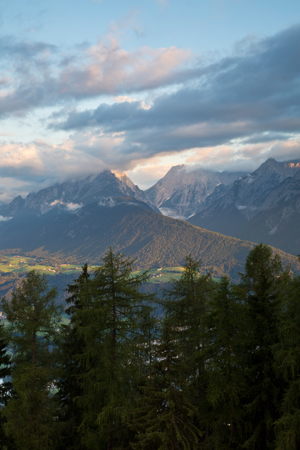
[216, 369]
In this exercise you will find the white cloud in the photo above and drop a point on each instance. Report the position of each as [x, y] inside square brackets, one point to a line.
[4, 219]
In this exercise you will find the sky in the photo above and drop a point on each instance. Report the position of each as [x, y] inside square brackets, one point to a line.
[139, 86]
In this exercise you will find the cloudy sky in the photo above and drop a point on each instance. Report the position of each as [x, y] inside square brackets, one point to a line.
[141, 85]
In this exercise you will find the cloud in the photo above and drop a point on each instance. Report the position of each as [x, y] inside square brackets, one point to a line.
[4, 219]
[230, 113]
[252, 96]
[163, 2]
[39, 75]
[70, 206]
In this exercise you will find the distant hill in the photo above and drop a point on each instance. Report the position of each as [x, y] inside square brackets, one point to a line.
[129, 226]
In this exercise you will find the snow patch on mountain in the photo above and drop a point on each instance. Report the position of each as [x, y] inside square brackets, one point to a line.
[4, 219]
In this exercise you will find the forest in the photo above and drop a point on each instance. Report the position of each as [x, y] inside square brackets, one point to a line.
[207, 364]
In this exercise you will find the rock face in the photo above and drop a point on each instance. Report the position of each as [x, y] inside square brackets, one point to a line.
[278, 221]
[262, 204]
[77, 193]
[181, 192]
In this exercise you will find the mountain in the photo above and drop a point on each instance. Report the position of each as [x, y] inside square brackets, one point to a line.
[233, 214]
[129, 226]
[76, 193]
[181, 192]
[277, 222]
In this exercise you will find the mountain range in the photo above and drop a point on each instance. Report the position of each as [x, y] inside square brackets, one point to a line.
[182, 191]
[73, 194]
[80, 218]
[263, 206]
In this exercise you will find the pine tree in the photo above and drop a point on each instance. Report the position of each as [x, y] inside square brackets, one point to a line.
[288, 365]
[187, 303]
[263, 288]
[33, 322]
[225, 322]
[110, 325]
[5, 388]
[163, 417]
[71, 347]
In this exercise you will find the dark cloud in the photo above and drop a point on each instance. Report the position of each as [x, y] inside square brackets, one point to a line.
[250, 99]
[41, 76]
[254, 95]
[9, 46]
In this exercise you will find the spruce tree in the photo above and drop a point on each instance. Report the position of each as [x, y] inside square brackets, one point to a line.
[288, 365]
[110, 325]
[71, 346]
[33, 322]
[262, 289]
[225, 323]
[187, 303]
[5, 388]
[164, 417]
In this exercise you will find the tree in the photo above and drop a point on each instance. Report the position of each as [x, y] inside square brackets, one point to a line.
[263, 288]
[187, 302]
[225, 323]
[33, 323]
[163, 417]
[110, 325]
[5, 388]
[287, 353]
[71, 345]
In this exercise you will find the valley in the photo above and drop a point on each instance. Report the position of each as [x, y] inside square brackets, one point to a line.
[59, 228]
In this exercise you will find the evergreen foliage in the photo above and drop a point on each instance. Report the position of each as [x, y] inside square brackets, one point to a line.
[5, 389]
[225, 322]
[288, 365]
[187, 303]
[110, 325]
[217, 368]
[164, 418]
[71, 346]
[33, 322]
[263, 290]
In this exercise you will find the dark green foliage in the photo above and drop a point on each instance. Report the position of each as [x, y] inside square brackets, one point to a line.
[187, 302]
[110, 325]
[33, 323]
[225, 357]
[163, 417]
[219, 370]
[5, 389]
[288, 364]
[71, 347]
[4, 366]
[263, 290]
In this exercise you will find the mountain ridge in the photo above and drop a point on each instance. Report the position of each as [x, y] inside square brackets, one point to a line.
[181, 191]
[73, 194]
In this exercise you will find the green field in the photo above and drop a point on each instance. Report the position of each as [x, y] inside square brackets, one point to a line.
[13, 268]
[23, 264]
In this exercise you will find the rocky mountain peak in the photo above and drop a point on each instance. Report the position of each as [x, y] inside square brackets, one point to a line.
[183, 189]
[75, 193]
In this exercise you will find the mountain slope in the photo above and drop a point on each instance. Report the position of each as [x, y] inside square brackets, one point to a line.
[75, 193]
[234, 211]
[277, 223]
[180, 192]
[128, 226]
